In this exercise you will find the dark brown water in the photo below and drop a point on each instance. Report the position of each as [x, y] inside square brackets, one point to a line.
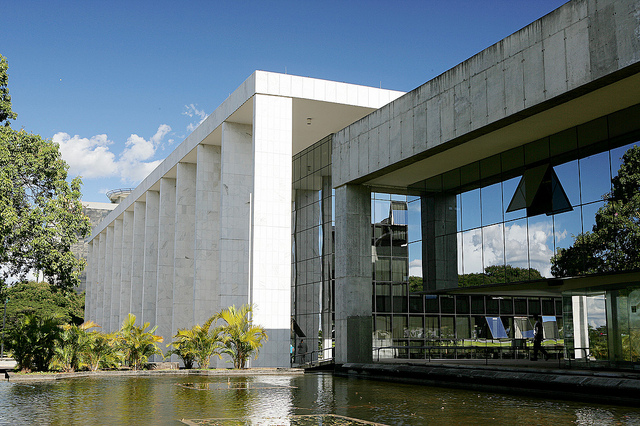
[282, 400]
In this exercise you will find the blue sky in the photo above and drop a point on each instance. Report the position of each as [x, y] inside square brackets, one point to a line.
[120, 83]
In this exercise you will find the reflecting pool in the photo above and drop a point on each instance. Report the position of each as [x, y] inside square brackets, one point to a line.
[281, 400]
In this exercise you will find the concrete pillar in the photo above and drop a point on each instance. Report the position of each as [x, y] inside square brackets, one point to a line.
[137, 258]
[166, 242]
[116, 280]
[439, 242]
[108, 284]
[90, 285]
[353, 274]
[206, 267]
[237, 182]
[99, 296]
[271, 225]
[185, 225]
[127, 254]
[150, 274]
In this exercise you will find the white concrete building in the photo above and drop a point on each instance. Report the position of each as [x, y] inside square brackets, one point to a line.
[211, 226]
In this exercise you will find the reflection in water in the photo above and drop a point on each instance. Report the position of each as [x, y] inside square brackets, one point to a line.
[169, 399]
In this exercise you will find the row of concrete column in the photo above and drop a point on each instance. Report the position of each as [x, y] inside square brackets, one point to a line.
[213, 234]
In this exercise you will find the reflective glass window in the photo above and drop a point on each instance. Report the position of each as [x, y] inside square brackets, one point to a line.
[493, 252]
[462, 304]
[472, 251]
[508, 189]
[520, 306]
[431, 327]
[400, 329]
[471, 209]
[534, 306]
[400, 298]
[431, 304]
[415, 227]
[540, 244]
[383, 298]
[506, 306]
[568, 176]
[595, 177]
[491, 204]
[447, 327]
[589, 215]
[447, 305]
[566, 227]
[463, 331]
[516, 245]
[416, 327]
[477, 305]
[493, 306]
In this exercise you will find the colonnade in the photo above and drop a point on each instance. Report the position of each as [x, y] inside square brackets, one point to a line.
[214, 231]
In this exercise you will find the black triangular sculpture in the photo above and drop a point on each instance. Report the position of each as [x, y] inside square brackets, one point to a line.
[540, 191]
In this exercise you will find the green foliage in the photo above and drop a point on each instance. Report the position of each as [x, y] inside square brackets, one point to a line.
[614, 242]
[197, 344]
[33, 340]
[240, 337]
[73, 348]
[40, 212]
[6, 113]
[44, 300]
[499, 274]
[415, 284]
[136, 343]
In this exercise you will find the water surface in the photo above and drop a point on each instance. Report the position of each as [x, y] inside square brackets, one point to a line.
[166, 400]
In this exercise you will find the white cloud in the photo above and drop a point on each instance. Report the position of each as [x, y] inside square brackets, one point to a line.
[519, 249]
[92, 157]
[193, 111]
[87, 157]
[415, 268]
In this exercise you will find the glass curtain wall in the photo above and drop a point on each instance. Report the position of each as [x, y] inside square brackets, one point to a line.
[313, 254]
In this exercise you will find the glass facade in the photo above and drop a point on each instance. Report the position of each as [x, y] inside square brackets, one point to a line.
[524, 215]
[313, 252]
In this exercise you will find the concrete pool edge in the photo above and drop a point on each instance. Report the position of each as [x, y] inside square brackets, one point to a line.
[610, 388]
[15, 377]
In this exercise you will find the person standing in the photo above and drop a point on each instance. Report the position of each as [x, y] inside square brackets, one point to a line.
[301, 353]
[538, 334]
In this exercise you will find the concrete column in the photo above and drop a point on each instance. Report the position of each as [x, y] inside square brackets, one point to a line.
[185, 226]
[137, 258]
[99, 296]
[90, 285]
[108, 284]
[353, 274]
[127, 254]
[150, 274]
[439, 242]
[271, 225]
[237, 182]
[166, 242]
[206, 267]
[116, 280]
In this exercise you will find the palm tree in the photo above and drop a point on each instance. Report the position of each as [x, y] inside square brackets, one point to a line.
[102, 350]
[33, 340]
[197, 344]
[136, 343]
[240, 337]
[73, 348]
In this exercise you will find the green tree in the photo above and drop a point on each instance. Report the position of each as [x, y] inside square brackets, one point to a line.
[5, 100]
[197, 344]
[240, 337]
[40, 212]
[496, 274]
[33, 341]
[613, 244]
[102, 351]
[136, 343]
[45, 300]
[72, 349]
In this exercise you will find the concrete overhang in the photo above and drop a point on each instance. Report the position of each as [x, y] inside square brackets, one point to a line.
[601, 97]
[320, 108]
